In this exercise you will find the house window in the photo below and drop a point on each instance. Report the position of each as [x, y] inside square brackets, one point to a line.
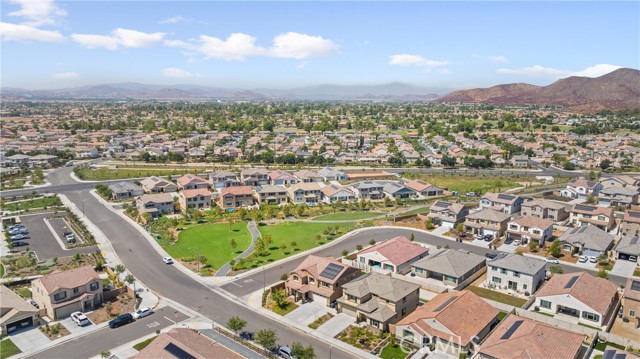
[312, 281]
[524, 286]
[94, 286]
[404, 311]
[375, 323]
[352, 298]
[59, 296]
[601, 218]
[632, 313]
[494, 268]
[496, 280]
[76, 290]
[503, 271]
[535, 231]
[407, 334]
[296, 278]
[324, 284]
[404, 300]
[545, 304]
[590, 316]
[516, 274]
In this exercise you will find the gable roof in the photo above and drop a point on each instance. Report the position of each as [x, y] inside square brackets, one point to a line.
[190, 193]
[544, 203]
[418, 185]
[189, 178]
[589, 236]
[121, 187]
[450, 262]
[592, 210]
[632, 216]
[271, 188]
[383, 286]
[315, 266]
[489, 214]
[68, 279]
[397, 250]
[533, 222]
[156, 198]
[253, 172]
[530, 339]
[596, 293]
[582, 183]
[619, 190]
[503, 198]
[514, 262]
[629, 245]
[184, 340]
[332, 189]
[237, 190]
[12, 305]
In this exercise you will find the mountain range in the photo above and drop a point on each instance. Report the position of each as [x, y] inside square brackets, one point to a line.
[617, 90]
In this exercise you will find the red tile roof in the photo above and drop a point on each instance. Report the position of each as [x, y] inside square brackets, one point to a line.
[69, 279]
[190, 193]
[237, 190]
[596, 293]
[397, 250]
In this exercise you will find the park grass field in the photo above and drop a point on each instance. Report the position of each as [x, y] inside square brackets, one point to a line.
[347, 216]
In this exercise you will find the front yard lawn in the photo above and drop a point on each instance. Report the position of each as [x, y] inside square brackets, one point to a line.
[636, 273]
[318, 322]
[212, 240]
[497, 296]
[33, 203]
[7, 349]
[393, 351]
[347, 216]
[143, 344]
[362, 337]
[502, 315]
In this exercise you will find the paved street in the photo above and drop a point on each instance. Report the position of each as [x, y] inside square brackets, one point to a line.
[43, 242]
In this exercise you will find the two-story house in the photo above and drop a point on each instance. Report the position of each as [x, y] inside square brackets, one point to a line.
[319, 279]
[194, 199]
[378, 299]
[305, 193]
[448, 266]
[630, 225]
[223, 179]
[254, 177]
[581, 188]
[448, 214]
[334, 193]
[282, 178]
[527, 228]
[64, 292]
[544, 208]
[15, 312]
[331, 174]
[628, 249]
[620, 181]
[236, 197]
[520, 161]
[190, 181]
[156, 184]
[270, 194]
[506, 203]
[580, 295]
[394, 255]
[631, 301]
[307, 176]
[618, 196]
[587, 240]
[368, 190]
[487, 221]
[155, 204]
[517, 273]
[424, 189]
[122, 190]
[582, 214]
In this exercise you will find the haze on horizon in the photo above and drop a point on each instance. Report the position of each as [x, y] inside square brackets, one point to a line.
[454, 45]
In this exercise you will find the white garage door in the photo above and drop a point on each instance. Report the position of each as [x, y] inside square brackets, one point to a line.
[489, 231]
[446, 224]
[318, 298]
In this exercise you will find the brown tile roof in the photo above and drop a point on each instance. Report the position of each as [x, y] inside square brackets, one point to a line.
[596, 293]
[593, 210]
[194, 343]
[632, 291]
[68, 279]
[188, 178]
[632, 216]
[397, 250]
[531, 340]
[534, 222]
[417, 185]
[190, 193]
[314, 265]
[332, 189]
[237, 190]
[462, 313]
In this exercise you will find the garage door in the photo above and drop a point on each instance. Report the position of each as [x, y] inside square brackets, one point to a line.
[318, 298]
[446, 224]
[348, 310]
[19, 324]
[590, 253]
[489, 231]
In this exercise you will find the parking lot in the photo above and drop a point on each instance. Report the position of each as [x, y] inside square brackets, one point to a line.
[60, 227]
[43, 242]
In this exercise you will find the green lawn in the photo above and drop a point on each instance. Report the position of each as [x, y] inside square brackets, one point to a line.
[497, 296]
[24, 292]
[284, 311]
[1, 270]
[393, 351]
[7, 349]
[103, 173]
[33, 203]
[636, 273]
[464, 184]
[211, 240]
[424, 209]
[589, 326]
[501, 316]
[602, 346]
[16, 183]
[143, 344]
[346, 216]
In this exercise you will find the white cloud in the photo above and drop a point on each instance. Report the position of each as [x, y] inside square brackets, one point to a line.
[302, 65]
[499, 58]
[27, 33]
[180, 44]
[415, 60]
[119, 37]
[535, 71]
[66, 76]
[293, 45]
[177, 73]
[237, 47]
[596, 70]
[38, 12]
[174, 20]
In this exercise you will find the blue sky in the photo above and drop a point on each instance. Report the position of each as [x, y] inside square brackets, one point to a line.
[449, 45]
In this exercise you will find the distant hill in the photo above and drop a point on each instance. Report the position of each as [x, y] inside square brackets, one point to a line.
[617, 90]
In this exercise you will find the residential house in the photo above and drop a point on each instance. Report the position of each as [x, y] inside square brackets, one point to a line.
[270, 194]
[43, 160]
[519, 337]
[254, 177]
[544, 208]
[336, 193]
[580, 295]
[156, 184]
[520, 161]
[307, 176]
[282, 178]
[396, 190]
[156, 204]
[455, 322]
[194, 199]
[628, 248]
[368, 190]
[630, 225]
[602, 217]
[449, 266]
[61, 293]
[236, 197]
[378, 299]
[185, 343]
[487, 221]
[424, 190]
[319, 279]
[618, 196]
[190, 181]
[17, 160]
[587, 240]
[506, 203]
[331, 174]
[15, 312]
[448, 214]
[620, 181]
[305, 193]
[581, 188]
[223, 179]
[521, 274]
[122, 190]
[527, 228]
[394, 255]
[631, 301]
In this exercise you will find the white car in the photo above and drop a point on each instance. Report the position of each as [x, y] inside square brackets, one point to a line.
[583, 259]
[552, 260]
[80, 319]
[516, 242]
[167, 260]
[142, 312]
[593, 259]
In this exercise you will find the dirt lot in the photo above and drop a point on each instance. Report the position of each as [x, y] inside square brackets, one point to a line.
[120, 305]
[21, 265]
[627, 330]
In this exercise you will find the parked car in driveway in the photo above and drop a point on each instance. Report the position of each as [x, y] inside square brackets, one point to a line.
[516, 242]
[167, 260]
[508, 241]
[583, 259]
[488, 237]
[491, 255]
[552, 260]
[142, 312]
[593, 259]
[80, 319]
[121, 320]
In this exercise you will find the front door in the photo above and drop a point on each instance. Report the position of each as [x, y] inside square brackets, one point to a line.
[87, 306]
[512, 285]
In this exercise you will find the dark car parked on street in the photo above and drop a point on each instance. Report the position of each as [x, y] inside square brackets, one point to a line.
[121, 320]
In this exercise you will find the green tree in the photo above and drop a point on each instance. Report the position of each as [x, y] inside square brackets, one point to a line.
[428, 224]
[555, 249]
[602, 273]
[556, 269]
[412, 237]
[533, 246]
[301, 351]
[236, 324]
[386, 201]
[233, 243]
[279, 297]
[131, 280]
[267, 338]
[105, 354]
[119, 268]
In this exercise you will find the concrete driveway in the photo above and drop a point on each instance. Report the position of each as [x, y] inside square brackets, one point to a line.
[586, 265]
[623, 268]
[480, 243]
[509, 248]
[336, 324]
[308, 313]
[75, 328]
[29, 340]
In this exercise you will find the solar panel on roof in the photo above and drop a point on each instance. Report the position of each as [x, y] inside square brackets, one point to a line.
[512, 329]
[442, 204]
[634, 214]
[571, 281]
[178, 352]
[635, 285]
[633, 240]
[506, 197]
[331, 271]
[584, 208]
[446, 302]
